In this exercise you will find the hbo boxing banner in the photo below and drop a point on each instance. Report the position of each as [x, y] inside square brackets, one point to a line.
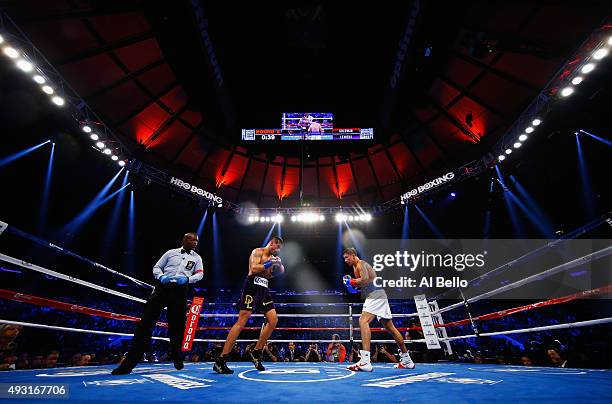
[192, 322]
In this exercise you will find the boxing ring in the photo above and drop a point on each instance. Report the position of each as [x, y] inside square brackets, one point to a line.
[308, 381]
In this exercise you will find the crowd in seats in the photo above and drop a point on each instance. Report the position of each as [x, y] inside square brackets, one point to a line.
[27, 348]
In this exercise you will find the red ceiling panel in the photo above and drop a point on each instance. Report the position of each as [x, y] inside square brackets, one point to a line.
[404, 161]
[235, 171]
[461, 72]
[442, 93]
[363, 173]
[447, 134]
[157, 79]
[535, 71]
[272, 186]
[142, 126]
[139, 54]
[328, 182]
[171, 139]
[502, 94]
[483, 120]
[61, 39]
[118, 26]
[428, 152]
[255, 176]
[310, 182]
[114, 103]
[214, 163]
[192, 117]
[291, 183]
[175, 99]
[88, 75]
[383, 168]
[346, 184]
[192, 155]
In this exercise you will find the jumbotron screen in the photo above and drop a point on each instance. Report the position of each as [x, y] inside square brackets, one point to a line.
[269, 135]
[307, 122]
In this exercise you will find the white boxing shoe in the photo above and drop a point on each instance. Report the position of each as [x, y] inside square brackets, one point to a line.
[405, 365]
[361, 367]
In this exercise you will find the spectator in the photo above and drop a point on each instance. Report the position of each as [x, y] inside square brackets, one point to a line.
[557, 357]
[270, 353]
[8, 334]
[246, 355]
[336, 352]
[85, 360]
[354, 355]
[75, 360]
[51, 359]
[22, 362]
[234, 355]
[526, 359]
[292, 355]
[313, 354]
[37, 362]
[195, 357]
[384, 355]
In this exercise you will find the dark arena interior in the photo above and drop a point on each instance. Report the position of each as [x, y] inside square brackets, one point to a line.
[258, 201]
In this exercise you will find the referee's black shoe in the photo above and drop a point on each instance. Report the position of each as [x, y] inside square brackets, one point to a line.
[178, 364]
[220, 366]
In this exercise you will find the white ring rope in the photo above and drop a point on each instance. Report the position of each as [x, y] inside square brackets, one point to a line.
[28, 265]
[576, 324]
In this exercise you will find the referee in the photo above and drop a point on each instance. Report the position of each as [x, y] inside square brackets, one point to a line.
[175, 270]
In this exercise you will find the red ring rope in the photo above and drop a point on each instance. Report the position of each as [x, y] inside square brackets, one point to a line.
[39, 301]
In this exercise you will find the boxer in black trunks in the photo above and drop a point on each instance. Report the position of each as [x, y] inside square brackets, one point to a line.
[264, 264]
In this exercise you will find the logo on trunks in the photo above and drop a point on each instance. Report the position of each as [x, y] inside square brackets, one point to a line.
[297, 374]
[258, 280]
[248, 299]
[190, 265]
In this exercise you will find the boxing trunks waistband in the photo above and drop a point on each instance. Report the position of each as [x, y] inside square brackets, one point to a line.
[258, 280]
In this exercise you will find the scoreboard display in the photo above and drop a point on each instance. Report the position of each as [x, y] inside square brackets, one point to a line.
[271, 135]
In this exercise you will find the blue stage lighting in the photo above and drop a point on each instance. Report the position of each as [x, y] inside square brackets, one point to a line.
[9, 159]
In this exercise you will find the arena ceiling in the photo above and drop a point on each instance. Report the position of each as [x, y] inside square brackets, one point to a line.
[178, 95]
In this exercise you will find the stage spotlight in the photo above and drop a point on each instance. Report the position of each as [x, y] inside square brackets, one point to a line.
[11, 52]
[86, 129]
[321, 218]
[94, 137]
[368, 217]
[567, 91]
[522, 138]
[100, 145]
[576, 80]
[339, 217]
[508, 151]
[609, 41]
[452, 194]
[588, 68]
[293, 218]
[536, 122]
[517, 145]
[529, 129]
[600, 54]
[24, 65]
[107, 151]
[121, 163]
[1, 39]
[47, 89]
[114, 157]
[58, 100]
[501, 157]
[39, 79]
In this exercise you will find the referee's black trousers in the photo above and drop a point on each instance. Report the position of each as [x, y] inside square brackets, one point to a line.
[174, 297]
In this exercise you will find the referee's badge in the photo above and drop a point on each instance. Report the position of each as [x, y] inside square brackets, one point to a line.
[190, 265]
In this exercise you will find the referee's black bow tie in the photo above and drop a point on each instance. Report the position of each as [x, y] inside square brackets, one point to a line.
[183, 251]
